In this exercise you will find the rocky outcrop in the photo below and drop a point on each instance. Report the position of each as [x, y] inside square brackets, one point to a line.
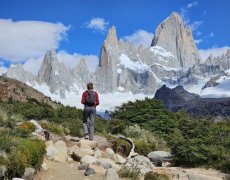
[173, 36]
[13, 90]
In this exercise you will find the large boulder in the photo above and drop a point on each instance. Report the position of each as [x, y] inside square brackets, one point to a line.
[87, 159]
[97, 153]
[111, 174]
[81, 152]
[92, 144]
[140, 162]
[61, 151]
[119, 159]
[50, 150]
[159, 155]
[110, 151]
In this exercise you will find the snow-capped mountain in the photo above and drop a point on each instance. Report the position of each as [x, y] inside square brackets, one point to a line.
[127, 71]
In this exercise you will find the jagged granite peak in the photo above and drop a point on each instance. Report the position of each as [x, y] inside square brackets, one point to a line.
[223, 61]
[82, 75]
[55, 75]
[111, 37]
[173, 36]
[16, 71]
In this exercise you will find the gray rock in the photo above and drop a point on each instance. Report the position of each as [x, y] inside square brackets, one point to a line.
[110, 151]
[97, 154]
[111, 174]
[83, 167]
[139, 162]
[87, 159]
[159, 155]
[28, 174]
[89, 171]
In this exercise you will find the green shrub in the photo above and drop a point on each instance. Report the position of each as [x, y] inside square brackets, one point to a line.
[143, 147]
[119, 145]
[155, 176]
[29, 153]
[17, 118]
[126, 173]
[30, 127]
[7, 141]
[53, 127]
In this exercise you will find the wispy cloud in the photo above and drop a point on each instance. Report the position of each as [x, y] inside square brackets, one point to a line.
[192, 4]
[211, 35]
[198, 33]
[198, 41]
[20, 40]
[195, 25]
[215, 51]
[140, 37]
[98, 24]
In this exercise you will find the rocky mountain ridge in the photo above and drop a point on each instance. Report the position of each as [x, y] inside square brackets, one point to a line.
[178, 98]
[14, 90]
[172, 59]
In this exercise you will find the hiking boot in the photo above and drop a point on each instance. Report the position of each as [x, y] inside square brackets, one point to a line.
[86, 136]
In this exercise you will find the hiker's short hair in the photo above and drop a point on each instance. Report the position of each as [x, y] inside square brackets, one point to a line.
[90, 86]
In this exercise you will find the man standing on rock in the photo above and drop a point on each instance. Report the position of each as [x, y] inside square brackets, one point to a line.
[90, 99]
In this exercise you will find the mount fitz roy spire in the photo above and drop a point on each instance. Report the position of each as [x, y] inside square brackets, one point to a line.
[173, 36]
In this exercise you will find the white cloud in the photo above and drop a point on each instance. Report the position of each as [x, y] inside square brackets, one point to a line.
[211, 34]
[20, 40]
[198, 41]
[195, 25]
[72, 60]
[215, 51]
[2, 70]
[140, 37]
[98, 24]
[33, 64]
[69, 60]
[198, 33]
[194, 3]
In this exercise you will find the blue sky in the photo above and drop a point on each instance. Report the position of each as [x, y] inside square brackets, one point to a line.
[79, 27]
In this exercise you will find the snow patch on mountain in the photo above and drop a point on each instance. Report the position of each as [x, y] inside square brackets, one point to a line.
[133, 65]
[158, 50]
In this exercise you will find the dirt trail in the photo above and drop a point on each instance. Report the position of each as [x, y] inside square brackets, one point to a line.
[65, 171]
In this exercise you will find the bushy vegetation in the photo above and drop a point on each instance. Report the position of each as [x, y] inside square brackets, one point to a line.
[28, 126]
[155, 176]
[194, 142]
[126, 173]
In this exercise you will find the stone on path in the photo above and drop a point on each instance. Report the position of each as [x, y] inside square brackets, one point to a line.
[111, 174]
[87, 159]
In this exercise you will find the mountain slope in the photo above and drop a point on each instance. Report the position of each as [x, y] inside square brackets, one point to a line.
[14, 90]
[177, 98]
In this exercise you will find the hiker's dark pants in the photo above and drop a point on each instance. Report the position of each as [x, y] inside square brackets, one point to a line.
[89, 113]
